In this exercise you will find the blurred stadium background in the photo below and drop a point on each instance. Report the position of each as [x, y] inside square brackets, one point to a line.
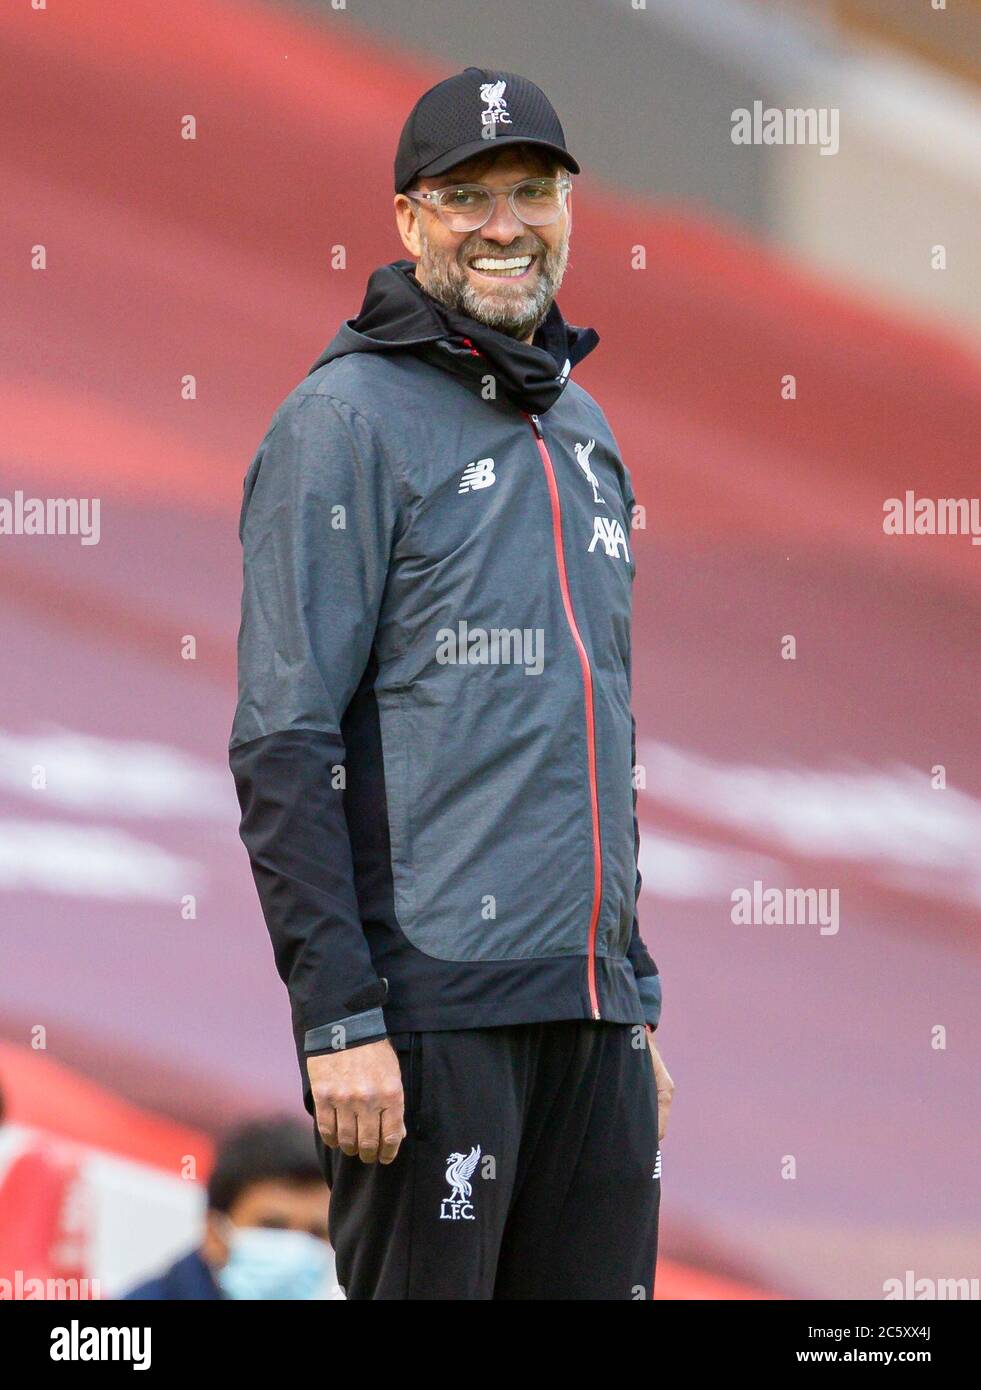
[213, 257]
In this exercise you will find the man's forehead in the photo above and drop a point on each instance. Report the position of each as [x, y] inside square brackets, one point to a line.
[515, 160]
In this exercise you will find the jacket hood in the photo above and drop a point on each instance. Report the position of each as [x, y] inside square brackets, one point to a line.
[399, 315]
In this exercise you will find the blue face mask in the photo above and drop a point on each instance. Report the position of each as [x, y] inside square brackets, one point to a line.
[278, 1264]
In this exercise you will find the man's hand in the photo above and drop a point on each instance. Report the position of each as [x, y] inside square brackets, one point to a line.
[664, 1084]
[358, 1097]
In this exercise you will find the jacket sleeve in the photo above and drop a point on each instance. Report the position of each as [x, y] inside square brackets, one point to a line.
[318, 520]
[645, 970]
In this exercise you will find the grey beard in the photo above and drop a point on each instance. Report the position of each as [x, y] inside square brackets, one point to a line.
[446, 280]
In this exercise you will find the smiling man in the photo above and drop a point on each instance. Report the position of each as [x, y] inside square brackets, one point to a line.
[506, 273]
[442, 831]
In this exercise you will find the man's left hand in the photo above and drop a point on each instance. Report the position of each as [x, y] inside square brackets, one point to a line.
[664, 1084]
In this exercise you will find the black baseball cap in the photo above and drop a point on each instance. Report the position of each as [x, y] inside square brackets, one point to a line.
[476, 110]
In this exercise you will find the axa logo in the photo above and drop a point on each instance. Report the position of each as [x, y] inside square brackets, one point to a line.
[476, 475]
[459, 1170]
[492, 95]
[583, 452]
[610, 534]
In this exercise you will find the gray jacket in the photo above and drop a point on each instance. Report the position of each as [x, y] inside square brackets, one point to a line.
[433, 746]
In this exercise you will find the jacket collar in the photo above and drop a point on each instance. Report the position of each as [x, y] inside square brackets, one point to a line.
[398, 313]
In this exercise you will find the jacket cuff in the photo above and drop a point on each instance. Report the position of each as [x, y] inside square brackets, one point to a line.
[343, 1032]
[649, 989]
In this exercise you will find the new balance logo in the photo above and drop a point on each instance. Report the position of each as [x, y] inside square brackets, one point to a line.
[476, 475]
[459, 1170]
[610, 533]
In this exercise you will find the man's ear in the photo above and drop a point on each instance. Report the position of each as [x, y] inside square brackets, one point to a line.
[407, 221]
[214, 1246]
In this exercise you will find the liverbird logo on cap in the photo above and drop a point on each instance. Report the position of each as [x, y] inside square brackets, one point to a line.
[492, 95]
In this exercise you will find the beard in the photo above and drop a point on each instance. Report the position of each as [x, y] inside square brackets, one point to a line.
[444, 275]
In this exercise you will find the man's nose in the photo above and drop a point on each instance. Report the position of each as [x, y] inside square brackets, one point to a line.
[503, 225]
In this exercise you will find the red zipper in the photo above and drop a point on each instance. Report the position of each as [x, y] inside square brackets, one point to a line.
[587, 680]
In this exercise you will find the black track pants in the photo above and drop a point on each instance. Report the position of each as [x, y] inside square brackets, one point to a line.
[530, 1170]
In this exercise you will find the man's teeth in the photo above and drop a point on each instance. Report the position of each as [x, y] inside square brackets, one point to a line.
[501, 265]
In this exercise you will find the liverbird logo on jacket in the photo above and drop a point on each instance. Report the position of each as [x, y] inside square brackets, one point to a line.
[583, 452]
[459, 1170]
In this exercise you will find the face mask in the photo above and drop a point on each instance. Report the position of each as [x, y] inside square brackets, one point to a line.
[275, 1264]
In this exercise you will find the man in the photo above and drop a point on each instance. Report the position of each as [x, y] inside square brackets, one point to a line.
[433, 746]
[265, 1233]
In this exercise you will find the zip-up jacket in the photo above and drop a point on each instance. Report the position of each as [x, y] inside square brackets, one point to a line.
[433, 747]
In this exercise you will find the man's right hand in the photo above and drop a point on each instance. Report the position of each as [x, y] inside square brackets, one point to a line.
[358, 1098]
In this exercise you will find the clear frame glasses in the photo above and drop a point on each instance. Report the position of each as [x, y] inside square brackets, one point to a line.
[466, 207]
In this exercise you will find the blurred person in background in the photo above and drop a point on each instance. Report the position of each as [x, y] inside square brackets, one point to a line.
[443, 834]
[265, 1234]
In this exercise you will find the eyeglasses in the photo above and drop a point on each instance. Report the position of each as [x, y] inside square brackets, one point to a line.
[468, 206]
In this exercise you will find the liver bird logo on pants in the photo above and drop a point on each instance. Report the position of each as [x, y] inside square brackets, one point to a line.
[459, 1170]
